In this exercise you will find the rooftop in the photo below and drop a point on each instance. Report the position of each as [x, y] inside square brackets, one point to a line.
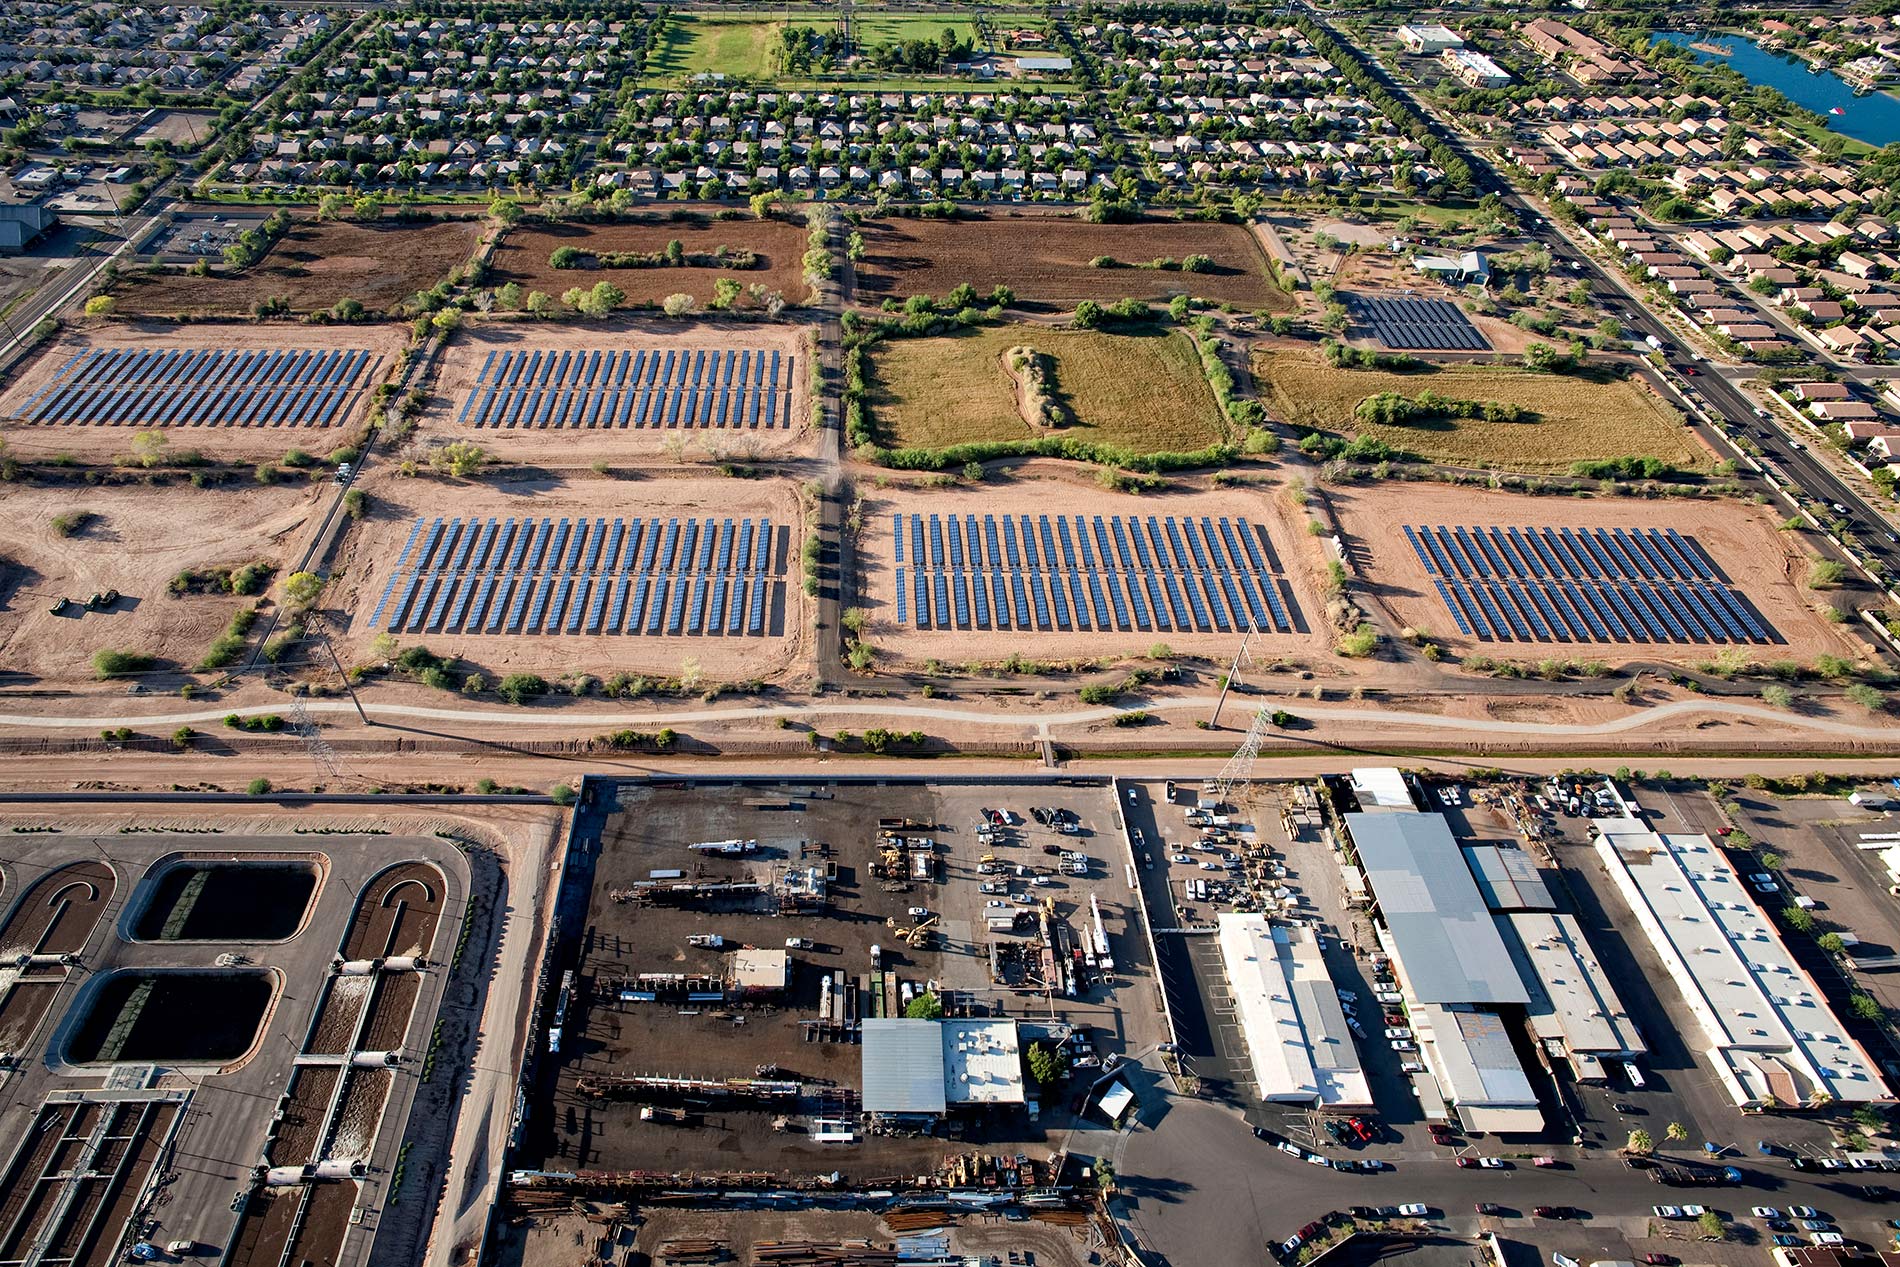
[982, 1062]
[1572, 1000]
[1382, 787]
[1448, 949]
[902, 1066]
[1478, 1069]
[1509, 879]
[1296, 1034]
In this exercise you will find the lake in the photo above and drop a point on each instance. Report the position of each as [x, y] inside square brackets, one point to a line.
[1874, 118]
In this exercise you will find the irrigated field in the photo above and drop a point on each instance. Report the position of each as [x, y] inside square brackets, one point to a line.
[312, 267]
[780, 247]
[1045, 260]
[1143, 390]
[1572, 418]
[737, 45]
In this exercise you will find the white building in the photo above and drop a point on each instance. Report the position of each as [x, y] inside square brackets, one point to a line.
[1574, 1010]
[1297, 1039]
[1475, 70]
[1766, 1029]
[1429, 38]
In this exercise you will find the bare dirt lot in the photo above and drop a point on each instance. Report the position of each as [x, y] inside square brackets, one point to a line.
[1742, 540]
[136, 540]
[313, 266]
[369, 552]
[778, 244]
[1045, 260]
[104, 444]
[1296, 563]
[461, 369]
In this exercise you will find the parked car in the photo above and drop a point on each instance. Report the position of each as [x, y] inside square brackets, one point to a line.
[1486, 1207]
[1666, 1211]
[1492, 1163]
[1657, 1259]
[1414, 1210]
[1467, 1163]
[798, 943]
[1765, 1212]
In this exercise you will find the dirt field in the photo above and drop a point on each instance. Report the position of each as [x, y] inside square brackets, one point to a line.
[313, 266]
[369, 552]
[461, 369]
[103, 444]
[1144, 391]
[1045, 260]
[1575, 418]
[138, 539]
[1297, 558]
[1743, 541]
[780, 245]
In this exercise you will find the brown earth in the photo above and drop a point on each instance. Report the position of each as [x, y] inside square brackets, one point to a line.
[1748, 549]
[780, 246]
[313, 266]
[1044, 259]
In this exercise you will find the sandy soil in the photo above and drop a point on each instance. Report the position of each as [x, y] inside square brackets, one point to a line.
[461, 367]
[1743, 541]
[1297, 559]
[368, 555]
[104, 443]
[139, 539]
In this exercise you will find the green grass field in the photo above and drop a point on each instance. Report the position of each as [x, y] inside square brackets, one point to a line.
[1143, 390]
[739, 44]
[1578, 418]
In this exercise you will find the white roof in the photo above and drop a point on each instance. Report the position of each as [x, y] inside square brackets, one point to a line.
[1572, 1000]
[982, 1063]
[1381, 787]
[1766, 1027]
[1477, 1068]
[1297, 1040]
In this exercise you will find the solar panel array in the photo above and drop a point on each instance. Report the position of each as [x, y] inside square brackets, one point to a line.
[1588, 585]
[732, 388]
[548, 576]
[202, 387]
[1434, 325]
[1118, 573]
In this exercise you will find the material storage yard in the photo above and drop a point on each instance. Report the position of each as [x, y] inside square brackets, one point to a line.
[1754, 574]
[735, 945]
[1047, 261]
[528, 576]
[312, 268]
[541, 393]
[227, 392]
[986, 568]
[135, 540]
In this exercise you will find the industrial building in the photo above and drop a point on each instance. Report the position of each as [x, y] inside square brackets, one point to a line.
[1427, 38]
[22, 224]
[1452, 967]
[1509, 879]
[1297, 1040]
[1767, 1030]
[760, 974]
[1574, 1010]
[1382, 788]
[922, 1070]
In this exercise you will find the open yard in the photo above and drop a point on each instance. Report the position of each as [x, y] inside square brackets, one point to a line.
[1143, 389]
[134, 539]
[1570, 417]
[737, 45]
[1045, 260]
[313, 266]
[779, 248]
[1743, 542]
[525, 571]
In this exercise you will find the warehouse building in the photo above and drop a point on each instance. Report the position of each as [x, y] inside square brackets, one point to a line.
[1298, 1044]
[1509, 879]
[919, 1071]
[1427, 38]
[1452, 968]
[1574, 1010]
[1766, 1028]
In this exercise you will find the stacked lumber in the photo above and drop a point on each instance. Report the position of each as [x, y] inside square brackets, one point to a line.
[692, 1250]
[916, 1220]
[817, 1254]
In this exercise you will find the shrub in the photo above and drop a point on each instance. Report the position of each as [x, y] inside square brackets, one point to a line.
[1098, 693]
[258, 786]
[561, 794]
[72, 522]
[110, 664]
[519, 688]
[182, 737]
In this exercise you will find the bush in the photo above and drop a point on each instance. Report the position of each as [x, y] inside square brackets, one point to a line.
[71, 523]
[519, 688]
[1098, 693]
[182, 737]
[258, 786]
[561, 794]
[111, 664]
[925, 1007]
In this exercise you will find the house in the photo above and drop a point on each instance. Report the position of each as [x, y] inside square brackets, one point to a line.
[1844, 411]
[1807, 393]
[1470, 266]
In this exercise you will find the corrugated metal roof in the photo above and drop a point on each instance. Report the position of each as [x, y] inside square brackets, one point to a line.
[902, 1066]
[1509, 879]
[1448, 948]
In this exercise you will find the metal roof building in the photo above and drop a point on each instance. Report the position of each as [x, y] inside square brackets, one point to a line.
[1767, 1030]
[1509, 879]
[1297, 1040]
[1574, 1010]
[902, 1066]
[982, 1062]
[1446, 947]
[1478, 1069]
[1382, 787]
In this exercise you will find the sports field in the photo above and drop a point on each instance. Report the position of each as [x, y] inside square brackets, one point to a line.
[1569, 418]
[1144, 390]
[737, 45]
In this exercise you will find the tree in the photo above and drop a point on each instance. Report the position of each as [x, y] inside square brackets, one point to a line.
[519, 688]
[678, 304]
[330, 206]
[1709, 1223]
[510, 297]
[1832, 943]
[1640, 1142]
[564, 257]
[100, 306]
[148, 448]
[301, 587]
[459, 458]
[1675, 1132]
[561, 794]
[1088, 315]
[1866, 1007]
[258, 786]
[762, 204]
[601, 300]
[540, 303]
[854, 246]
[1825, 573]
[447, 321]
[1048, 1064]
[504, 211]
[925, 1007]
[726, 292]
[368, 207]
[347, 309]
[1797, 919]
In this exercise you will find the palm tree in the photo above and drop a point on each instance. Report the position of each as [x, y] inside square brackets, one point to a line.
[1640, 1142]
[1676, 1131]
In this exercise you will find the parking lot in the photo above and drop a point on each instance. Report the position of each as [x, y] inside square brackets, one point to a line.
[904, 869]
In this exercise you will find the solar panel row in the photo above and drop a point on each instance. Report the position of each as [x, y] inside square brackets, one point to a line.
[1069, 542]
[203, 387]
[548, 603]
[699, 388]
[1588, 585]
[1036, 601]
[1424, 324]
[589, 545]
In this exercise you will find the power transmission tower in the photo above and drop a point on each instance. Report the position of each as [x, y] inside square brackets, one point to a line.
[300, 720]
[1242, 656]
[1239, 767]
